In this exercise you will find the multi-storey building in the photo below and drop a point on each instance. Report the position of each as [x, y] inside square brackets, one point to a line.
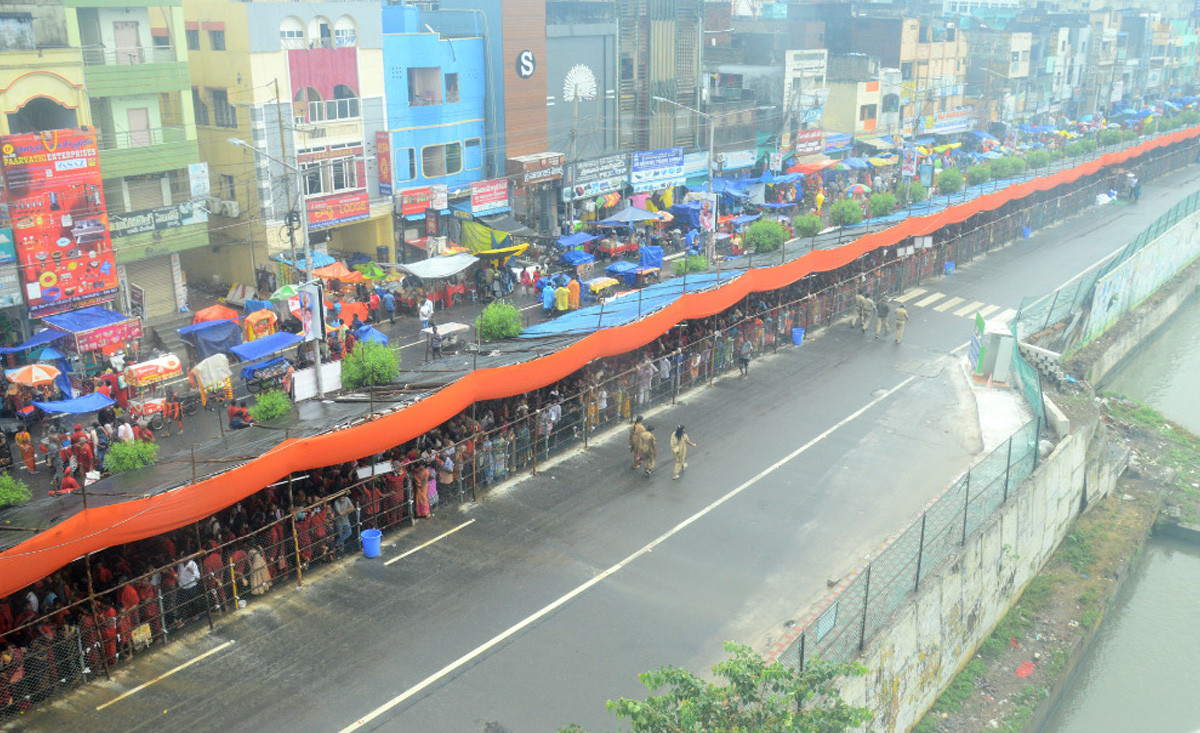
[303, 84]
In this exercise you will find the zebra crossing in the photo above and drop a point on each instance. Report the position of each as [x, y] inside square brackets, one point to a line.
[942, 303]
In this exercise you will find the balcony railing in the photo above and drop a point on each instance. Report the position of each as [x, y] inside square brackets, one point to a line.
[108, 140]
[333, 109]
[128, 56]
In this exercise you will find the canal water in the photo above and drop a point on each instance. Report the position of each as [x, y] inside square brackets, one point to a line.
[1143, 673]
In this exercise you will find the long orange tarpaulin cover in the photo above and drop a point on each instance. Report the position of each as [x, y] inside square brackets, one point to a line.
[107, 526]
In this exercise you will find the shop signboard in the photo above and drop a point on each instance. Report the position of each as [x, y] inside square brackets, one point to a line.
[591, 178]
[8, 247]
[156, 219]
[342, 208]
[808, 142]
[59, 223]
[10, 286]
[488, 196]
[383, 149]
[439, 197]
[531, 170]
[137, 301]
[414, 201]
[837, 141]
[737, 160]
[111, 334]
[656, 169]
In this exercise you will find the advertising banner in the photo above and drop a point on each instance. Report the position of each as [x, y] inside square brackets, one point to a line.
[489, 196]
[10, 286]
[156, 219]
[415, 201]
[591, 178]
[439, 197]
[110, 335]
[312, 312]
[654, 169]
[808, 142]
[737, 160]
[59, 223]
[8, 247]
[383, 149]
[908, 163]
[341, 208]
[708, 209]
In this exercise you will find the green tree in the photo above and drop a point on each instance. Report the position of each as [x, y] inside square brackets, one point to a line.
[369, 364]
[1110, 137]
[978, 174]
[1038, 158]
[808, 225]
[690, 263]
[949, 181]
[1016, 166]
[880, 204]
[12, 490]
[754, 697]
[764, 236]
[128, 455]
[912, 192]
[499, 320]
[845, 213]
[270, 404]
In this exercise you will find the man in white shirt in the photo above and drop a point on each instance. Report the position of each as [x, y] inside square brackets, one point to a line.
[426, 312]
[188, 605]
[125, 432]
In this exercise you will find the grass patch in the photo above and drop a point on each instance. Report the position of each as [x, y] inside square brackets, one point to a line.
[959, 691]
[1077, 550]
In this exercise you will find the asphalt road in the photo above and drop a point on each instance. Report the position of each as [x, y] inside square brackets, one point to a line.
[549, 596]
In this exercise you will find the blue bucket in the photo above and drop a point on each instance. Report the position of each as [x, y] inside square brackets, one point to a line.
[371, 539]
[797, 336]
[949, 268]
[1026, 231]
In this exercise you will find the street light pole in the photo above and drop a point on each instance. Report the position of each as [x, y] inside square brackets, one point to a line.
[308, 261]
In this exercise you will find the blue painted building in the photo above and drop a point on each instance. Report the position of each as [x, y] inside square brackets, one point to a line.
[436, 89]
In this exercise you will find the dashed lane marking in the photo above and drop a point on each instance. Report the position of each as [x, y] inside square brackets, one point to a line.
[968, 309]
[988, 310]
[911, 294]
[927, 301]
[423, 545]
[948, 305]
[165, 675]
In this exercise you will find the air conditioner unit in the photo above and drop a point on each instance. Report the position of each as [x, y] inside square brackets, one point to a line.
[230, 208]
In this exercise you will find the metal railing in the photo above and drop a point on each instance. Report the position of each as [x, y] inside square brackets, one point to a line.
[128, 56]
[110, 140]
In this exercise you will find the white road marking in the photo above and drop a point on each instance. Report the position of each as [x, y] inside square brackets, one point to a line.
[911, 294]
[547, 610]
[422, 546]
[930, 299]
[968, 309]
[948, 304]
[989, 310]
[165, 675]
[1006, 316]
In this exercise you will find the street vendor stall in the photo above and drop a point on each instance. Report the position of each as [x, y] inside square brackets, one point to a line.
[259, 324]
[213, 379]
[270, 374]
[580, 262]
[210, 337]
[452, 334]
[216, 312]
[94, 333]
[146, 405]
[599, 289]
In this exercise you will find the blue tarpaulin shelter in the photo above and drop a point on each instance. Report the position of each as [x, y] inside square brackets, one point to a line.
[41, 338]
[626, 271]
[983, 135]
[745, 219]
[212, 337]
[319, 260]
[253, 306]
[780, 205]
[575, 240]
[687, 213]
[78, 406]
[85, 319]
[265, 346]
[627, 216]
[652, 256]
[369, 333]
[575, 258]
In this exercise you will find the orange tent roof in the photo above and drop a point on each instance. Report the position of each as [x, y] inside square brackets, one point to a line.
[216, 312]
[339, 271]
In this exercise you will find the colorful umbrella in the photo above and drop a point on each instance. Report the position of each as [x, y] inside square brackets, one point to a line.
[33, 375]
[856, 188]
[287, 291]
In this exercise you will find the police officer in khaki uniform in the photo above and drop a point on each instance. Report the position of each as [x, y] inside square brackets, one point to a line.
[901, 320]
[868, 312]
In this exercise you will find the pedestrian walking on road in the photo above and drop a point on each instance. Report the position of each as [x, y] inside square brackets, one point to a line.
[635, 441]
[881, 318]
[389, 305]
[745, 349]
[648, 449]
[901, 321]
[679, 445]
[435, 342]
[868, 312]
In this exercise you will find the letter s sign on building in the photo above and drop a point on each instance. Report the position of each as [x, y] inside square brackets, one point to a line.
[526, 64]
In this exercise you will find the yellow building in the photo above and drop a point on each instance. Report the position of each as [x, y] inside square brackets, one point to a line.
[933, 68]
[305, 89]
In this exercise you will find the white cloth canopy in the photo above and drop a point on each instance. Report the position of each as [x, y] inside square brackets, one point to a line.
[435, 268]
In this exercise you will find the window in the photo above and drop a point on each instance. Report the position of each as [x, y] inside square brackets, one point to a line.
[291, 33]
[162, 41]
[224, 113]
[474, 154]
[451, 88]
[406, 164]
[343, 174]
[193, 39]
[307, 107]
[216, 39]
[424, 86]
[906, 71]
[441, 160]
[312, 179]
[345, 33]
[200, 107]
[225, 188]
[16, 32]
[866, 112]
[344, 104]
[891, 103]
[320, 33]
[626, 67]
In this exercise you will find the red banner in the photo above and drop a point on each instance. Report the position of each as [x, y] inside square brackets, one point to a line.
[808, 142]
[489, 195]
[343, 208]
[111, 335]
[414, 200]
[60, 224]
[101, 526]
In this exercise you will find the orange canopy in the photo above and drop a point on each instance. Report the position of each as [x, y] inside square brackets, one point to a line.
[260, 323]
[216, 312]
[98, 527]
[339, 271]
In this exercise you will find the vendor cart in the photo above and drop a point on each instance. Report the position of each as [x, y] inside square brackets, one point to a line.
[271, 374]
[452, 335]
[599, 289]
[612, 248]
[144, 379]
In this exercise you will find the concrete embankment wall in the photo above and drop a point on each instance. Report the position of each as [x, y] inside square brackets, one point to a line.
[931, 638]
